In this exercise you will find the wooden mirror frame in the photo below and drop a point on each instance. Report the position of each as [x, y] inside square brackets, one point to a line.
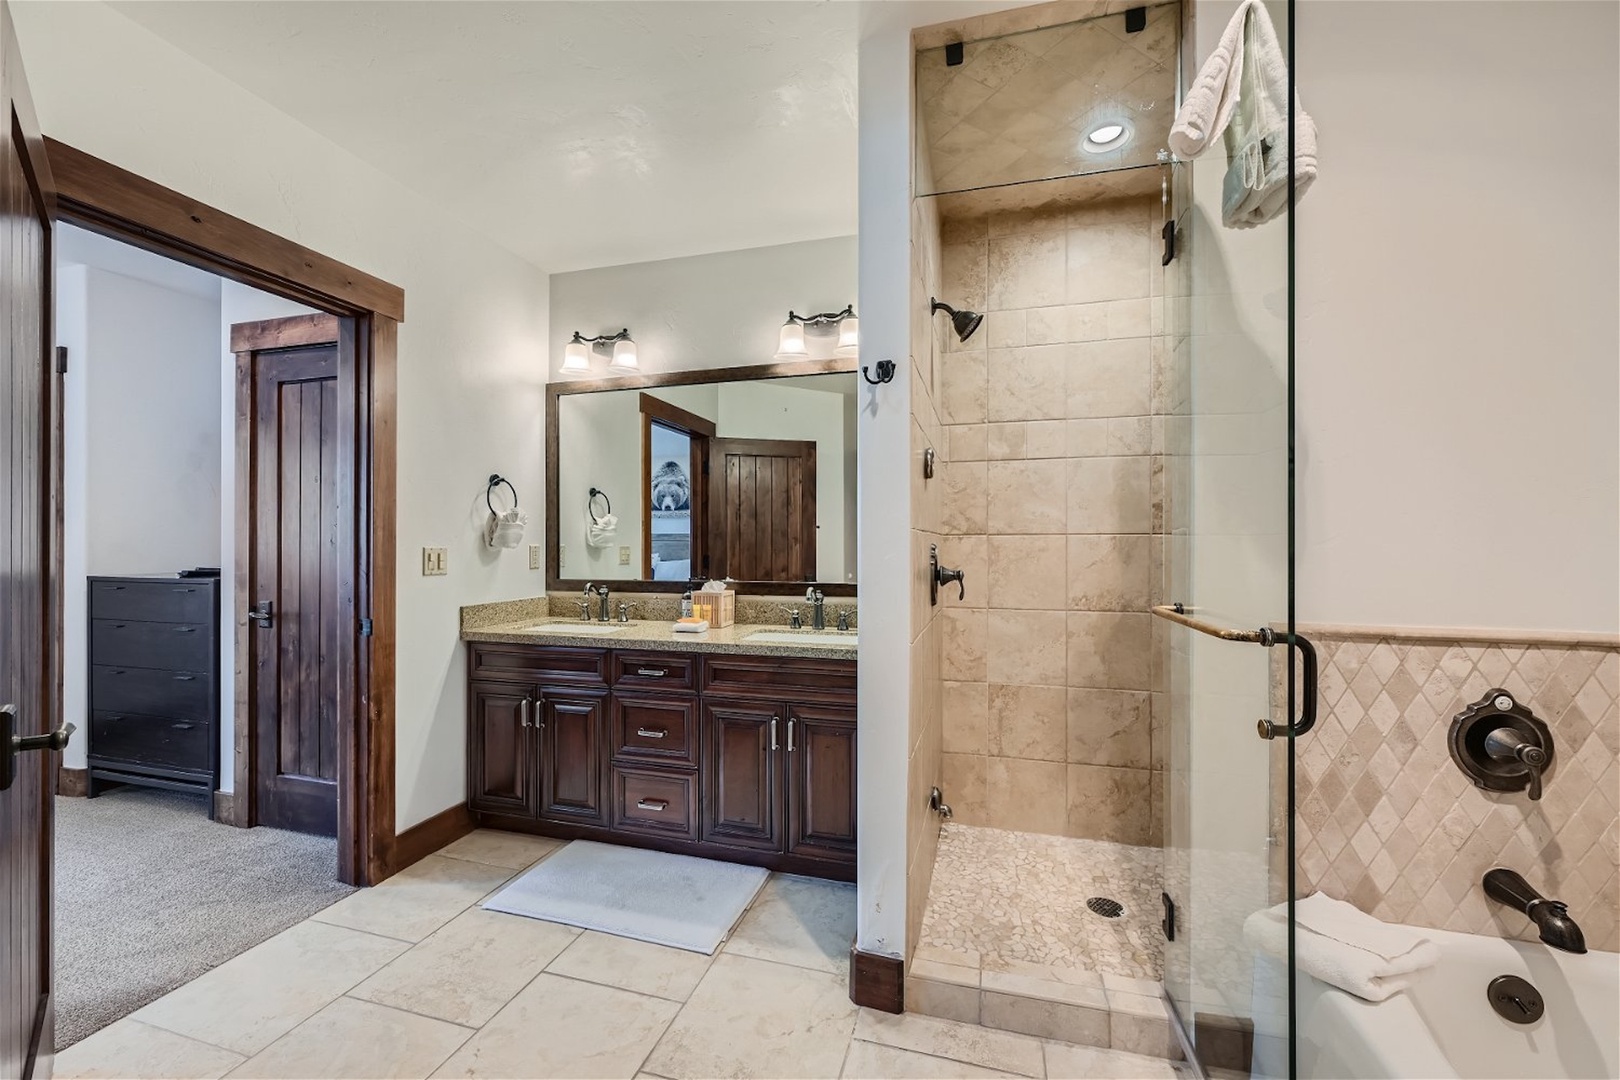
[556, 391]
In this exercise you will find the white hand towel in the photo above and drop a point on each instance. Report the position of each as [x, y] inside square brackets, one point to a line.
[600, 532]
[1242, 92]
[1343, 946]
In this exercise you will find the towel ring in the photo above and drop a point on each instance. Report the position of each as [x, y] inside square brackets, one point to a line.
[496, 479]
[590, 504]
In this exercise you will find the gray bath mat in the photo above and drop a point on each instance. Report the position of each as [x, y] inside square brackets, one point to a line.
[675, 900]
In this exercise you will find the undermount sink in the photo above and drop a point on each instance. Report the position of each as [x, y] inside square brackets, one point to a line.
[805, 637]
[576, 629]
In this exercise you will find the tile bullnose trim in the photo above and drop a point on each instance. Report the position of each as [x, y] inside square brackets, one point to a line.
[1458, 635]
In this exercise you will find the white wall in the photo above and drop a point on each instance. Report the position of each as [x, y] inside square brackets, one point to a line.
[1459, 359]
[705, 311]
[472, 351]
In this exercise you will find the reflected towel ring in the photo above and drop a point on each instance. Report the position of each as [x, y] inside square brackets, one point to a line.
[494, 480]
[590, 504]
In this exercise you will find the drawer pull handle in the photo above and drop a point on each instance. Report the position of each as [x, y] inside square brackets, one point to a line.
[185, 678]
[650, 733]
[774, 721]
[790, 735]
[185, 629]
[658, 805]
[185, 590]
[182, 727]
[651, 673]
[120, 626]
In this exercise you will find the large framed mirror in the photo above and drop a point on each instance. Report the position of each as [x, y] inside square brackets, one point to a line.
[747, 473]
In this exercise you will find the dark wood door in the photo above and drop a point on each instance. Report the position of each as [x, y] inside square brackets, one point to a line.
[26, 408]
[502, 776]
[762, 509]
[573, 757]
[742, 801]
[821, 781]
[296, 550]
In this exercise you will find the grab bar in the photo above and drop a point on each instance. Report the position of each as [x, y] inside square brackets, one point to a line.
[1177, 613]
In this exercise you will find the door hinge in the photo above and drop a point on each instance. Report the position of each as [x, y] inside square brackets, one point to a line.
[1169, 234]
[365, 627]
[61, 359]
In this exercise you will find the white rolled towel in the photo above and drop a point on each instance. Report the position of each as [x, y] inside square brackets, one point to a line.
[601, 532]
[1343, 946]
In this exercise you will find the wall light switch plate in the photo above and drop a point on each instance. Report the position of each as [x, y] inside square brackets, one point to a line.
[534, 556]
[434, 561]
[624, 556]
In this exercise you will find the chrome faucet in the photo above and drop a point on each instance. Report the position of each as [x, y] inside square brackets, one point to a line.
[599, 591]
[1550, 916]
[818, 604]
[625, 607]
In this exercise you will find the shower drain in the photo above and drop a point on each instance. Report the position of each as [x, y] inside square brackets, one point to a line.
[1106, 907]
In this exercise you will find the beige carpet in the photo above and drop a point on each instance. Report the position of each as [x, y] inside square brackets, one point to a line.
[150, 894]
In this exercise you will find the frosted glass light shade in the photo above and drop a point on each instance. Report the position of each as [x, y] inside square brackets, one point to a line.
[576, 358]
[624, 357]
[849, 337]
[790, 345]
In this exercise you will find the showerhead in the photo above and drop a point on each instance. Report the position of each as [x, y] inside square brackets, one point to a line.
[964, 322]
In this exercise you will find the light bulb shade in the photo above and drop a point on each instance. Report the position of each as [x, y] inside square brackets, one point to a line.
[790, 345]
[849, 337]
[576, 358]
[624, 357]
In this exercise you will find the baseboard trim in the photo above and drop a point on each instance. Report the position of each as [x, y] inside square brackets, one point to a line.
[424, 838]
[877, 981]
[74, 783]
[230, 810]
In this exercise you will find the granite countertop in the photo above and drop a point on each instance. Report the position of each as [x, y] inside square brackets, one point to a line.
[658, 635]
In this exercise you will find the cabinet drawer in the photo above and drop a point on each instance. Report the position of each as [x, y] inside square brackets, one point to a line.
[655, 728]
[151, 740]
[186, 695]
[779, 679]
[540, 664]
[661, 803]
[174, 646]
[661, 671]
[161, 601]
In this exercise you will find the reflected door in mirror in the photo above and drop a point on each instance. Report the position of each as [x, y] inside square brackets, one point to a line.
[764, 509]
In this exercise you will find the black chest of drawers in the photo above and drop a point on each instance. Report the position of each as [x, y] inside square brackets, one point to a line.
[154, 682]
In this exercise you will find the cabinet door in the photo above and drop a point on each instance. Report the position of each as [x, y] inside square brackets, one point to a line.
[572, 727]
[741, 798]
[820, 754]
[501, 760]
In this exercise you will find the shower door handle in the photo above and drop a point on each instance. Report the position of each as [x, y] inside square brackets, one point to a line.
[1307, 701]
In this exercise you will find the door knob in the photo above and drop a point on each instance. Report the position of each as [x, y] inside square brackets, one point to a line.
[12, 744]
[262, 614]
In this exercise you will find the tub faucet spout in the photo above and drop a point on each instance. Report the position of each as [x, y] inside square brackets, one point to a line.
[1550, 916]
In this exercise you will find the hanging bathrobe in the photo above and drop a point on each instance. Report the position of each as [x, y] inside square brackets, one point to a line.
[1241, 93]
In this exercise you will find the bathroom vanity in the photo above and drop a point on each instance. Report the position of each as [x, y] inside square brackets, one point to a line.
[699, 744]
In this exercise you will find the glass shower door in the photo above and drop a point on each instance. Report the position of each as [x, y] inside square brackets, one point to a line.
[1228, 563]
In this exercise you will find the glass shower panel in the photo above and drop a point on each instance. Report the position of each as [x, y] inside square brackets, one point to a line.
[1228, 560]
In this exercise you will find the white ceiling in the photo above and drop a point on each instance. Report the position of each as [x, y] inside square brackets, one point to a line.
[574, 133]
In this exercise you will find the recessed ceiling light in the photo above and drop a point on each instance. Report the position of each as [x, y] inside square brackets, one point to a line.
[1106, 136]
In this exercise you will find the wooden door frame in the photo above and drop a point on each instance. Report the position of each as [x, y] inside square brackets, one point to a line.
[104, 198]
[699, 430]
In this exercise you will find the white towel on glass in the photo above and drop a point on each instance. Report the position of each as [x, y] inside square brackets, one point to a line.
[1241, 92]
[1341, 945]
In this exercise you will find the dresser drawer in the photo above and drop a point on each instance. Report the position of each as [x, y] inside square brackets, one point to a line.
[654, 671]
[151, 740]
[660, 803]
[186, 695]
[179, 600]
[779, 678]
[655, 728]
[539, 664]
[174, 646]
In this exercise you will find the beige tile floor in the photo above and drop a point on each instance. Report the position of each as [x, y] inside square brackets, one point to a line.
[413, 979]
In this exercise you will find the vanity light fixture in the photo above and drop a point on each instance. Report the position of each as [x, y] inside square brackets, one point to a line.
[791, 345]
[1106, 137]
[577, 353]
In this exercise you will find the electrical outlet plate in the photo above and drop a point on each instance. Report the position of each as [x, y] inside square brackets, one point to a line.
[434, 561]
[624, 556]
[534, 556]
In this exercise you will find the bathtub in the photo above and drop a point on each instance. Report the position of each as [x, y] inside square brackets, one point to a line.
[1443, 1026]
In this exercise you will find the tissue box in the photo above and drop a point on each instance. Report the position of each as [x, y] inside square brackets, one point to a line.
[717, 608]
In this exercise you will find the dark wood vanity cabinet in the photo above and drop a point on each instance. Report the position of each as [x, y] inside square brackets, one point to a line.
[747, 758]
